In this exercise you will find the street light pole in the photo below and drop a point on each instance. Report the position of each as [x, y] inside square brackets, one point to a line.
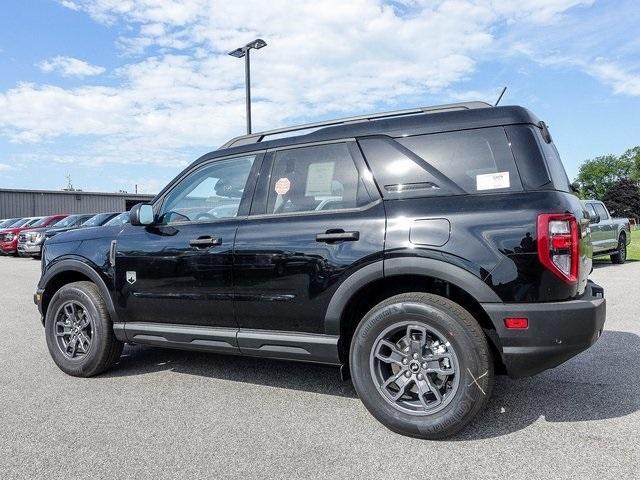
[247, 88]
[244, 52]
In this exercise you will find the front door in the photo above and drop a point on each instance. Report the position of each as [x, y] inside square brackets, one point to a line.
[316, 218]
[179, 272]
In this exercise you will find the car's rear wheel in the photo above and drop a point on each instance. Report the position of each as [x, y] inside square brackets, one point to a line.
[421, 365]
[79, 331]
[621, 254]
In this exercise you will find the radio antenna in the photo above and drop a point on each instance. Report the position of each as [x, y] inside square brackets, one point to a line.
[500, 97]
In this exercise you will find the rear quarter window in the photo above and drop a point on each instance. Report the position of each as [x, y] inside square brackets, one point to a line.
[538, 162]
[452, 163]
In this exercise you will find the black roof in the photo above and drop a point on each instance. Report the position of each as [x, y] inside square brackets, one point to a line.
[397, 126]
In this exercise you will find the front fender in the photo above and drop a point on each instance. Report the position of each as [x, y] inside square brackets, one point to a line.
[68, 266]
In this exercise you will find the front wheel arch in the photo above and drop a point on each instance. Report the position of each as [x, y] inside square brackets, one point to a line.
[71, 270]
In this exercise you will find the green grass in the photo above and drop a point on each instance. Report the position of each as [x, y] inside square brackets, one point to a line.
[633, 250]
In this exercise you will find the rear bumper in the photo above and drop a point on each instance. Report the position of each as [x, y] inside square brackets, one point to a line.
[557, 331]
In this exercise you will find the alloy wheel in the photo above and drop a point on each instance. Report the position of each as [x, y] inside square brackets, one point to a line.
[73, 329]
[415, 368]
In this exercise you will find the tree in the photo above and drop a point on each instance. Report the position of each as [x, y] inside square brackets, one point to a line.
[633, 155]
[623, 199]
[597, 175]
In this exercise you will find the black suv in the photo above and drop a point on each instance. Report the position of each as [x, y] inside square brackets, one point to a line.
[422, 251]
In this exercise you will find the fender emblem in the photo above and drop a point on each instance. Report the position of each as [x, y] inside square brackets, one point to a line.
[131, 277]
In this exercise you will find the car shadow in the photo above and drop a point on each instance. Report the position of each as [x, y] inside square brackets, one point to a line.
[142, 360]
[600, 383]
[602, 262]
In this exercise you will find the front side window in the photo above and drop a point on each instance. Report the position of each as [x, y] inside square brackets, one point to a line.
[211, 192]
[316, 178]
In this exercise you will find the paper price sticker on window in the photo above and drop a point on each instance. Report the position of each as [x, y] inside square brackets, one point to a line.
[492, 181]
[282, 186]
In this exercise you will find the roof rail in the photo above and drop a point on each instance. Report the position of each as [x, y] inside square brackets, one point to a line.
[259, 136]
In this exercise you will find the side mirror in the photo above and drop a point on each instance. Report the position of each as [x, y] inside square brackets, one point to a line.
[575, 187]
[141, 214]
[595, 219]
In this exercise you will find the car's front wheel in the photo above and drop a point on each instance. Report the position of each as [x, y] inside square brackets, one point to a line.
[421, 365]
[79, 331]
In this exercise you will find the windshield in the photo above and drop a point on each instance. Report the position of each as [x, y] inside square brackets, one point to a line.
[27, 222]
[97, 220]
[66, 222]
[57, 222]
[93, 221]
[118, 220]
[41, 223]
[9, 222]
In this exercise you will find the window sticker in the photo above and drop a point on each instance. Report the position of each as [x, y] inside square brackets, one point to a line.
[319, 179]
[283, 185]
[492, 181]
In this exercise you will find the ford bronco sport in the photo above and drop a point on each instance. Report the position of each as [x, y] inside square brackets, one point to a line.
[423, 251]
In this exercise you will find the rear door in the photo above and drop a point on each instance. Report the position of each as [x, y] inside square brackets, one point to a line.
[316, 218]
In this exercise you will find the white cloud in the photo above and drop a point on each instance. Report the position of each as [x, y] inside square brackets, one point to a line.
[622, 80]
[324, 58]
[4, 167]
[70, 67]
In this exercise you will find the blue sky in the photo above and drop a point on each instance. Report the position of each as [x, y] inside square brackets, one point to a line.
[118, 93]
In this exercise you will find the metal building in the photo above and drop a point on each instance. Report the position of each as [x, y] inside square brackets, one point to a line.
[31, 203]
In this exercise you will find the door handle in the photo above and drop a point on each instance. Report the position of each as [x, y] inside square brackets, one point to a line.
[205, 241]
[340, 235]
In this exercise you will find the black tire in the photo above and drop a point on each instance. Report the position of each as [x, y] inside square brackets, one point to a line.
[104, 348]
[621, 254]
[464, 337]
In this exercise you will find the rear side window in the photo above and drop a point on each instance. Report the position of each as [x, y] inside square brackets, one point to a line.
[313, 179]
[453, 163]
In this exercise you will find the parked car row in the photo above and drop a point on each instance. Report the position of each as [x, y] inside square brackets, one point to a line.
[25, 236]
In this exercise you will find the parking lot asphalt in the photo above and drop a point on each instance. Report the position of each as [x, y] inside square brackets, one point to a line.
[172, 414]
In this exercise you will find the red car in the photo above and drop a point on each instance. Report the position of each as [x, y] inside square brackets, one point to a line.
[9, 236]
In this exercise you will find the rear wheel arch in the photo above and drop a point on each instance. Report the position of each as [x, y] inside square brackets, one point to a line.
[366, 288]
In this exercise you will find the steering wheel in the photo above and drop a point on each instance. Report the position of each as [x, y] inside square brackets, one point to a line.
[204, 216]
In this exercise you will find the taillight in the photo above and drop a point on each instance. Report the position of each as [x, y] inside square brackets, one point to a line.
[559, 244]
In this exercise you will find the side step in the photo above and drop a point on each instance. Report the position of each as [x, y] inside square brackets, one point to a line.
[306, 347]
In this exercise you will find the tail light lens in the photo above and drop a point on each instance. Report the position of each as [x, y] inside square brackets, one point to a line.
[559, 245]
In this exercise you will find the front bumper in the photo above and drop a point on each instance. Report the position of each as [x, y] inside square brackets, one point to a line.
[557, 331]
[30, 248]
[8, 247]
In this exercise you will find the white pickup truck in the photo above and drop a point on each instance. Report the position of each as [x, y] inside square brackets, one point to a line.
[609, 236]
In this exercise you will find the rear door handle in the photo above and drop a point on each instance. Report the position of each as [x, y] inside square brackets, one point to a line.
[331, 236]
[205, 241]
